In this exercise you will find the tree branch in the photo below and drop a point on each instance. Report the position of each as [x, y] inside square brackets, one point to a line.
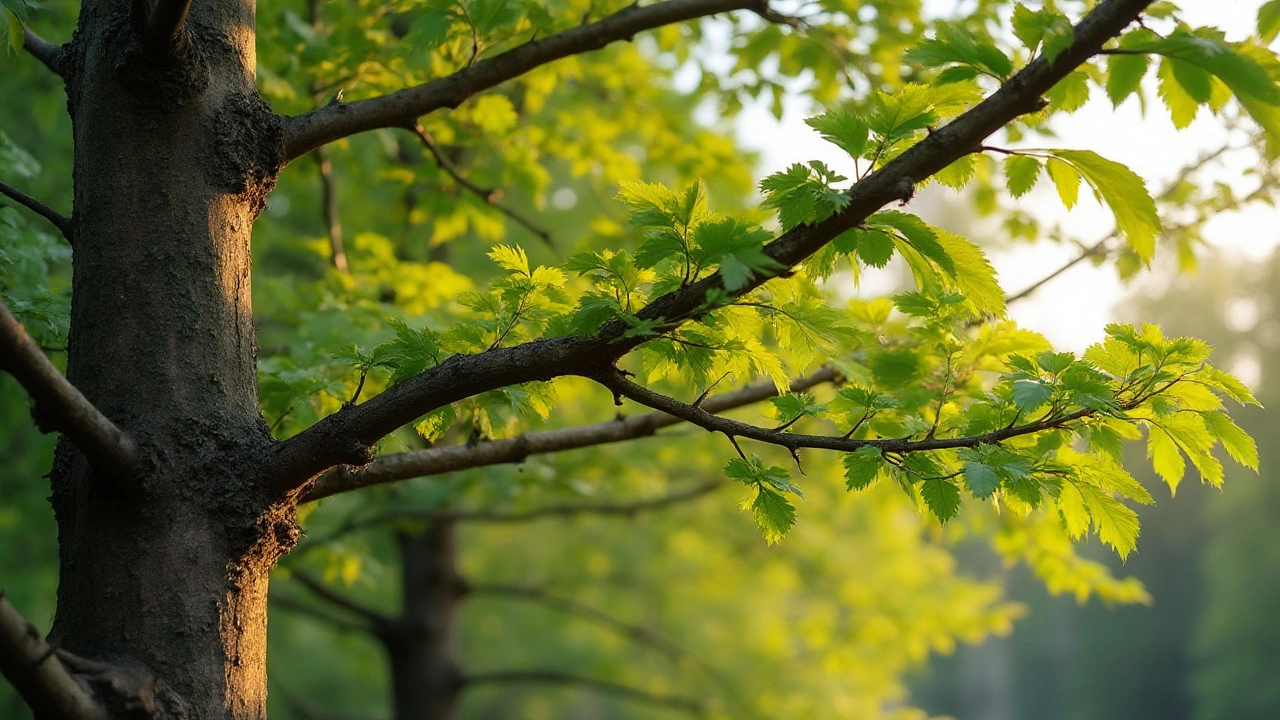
[304, 133]
[329, 210]
[347, 435]
[568, 606]
[376, 620]
[343, 623]
[47, 53]
[627, 509]
[623, 387]
[38, 674]
[489, 195]
[62, 223]
[605, 687]
[437, 461]
[58, 404]
[159, 22]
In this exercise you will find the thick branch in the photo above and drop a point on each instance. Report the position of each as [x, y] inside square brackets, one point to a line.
[436, 461]
[62, 223]
[38, 674]
[346, 436]
[489, 195]
[47, 53]
[58, 404]
[305, 133]
[605, 687]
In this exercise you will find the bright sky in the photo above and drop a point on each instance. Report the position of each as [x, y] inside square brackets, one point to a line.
[1072, 310]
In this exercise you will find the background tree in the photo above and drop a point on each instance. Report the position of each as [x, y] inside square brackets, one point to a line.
[174, 497]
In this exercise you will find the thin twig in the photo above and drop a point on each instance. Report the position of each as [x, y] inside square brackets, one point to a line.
[489, 195]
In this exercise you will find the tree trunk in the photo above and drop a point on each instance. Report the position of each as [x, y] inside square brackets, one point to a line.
[166, 569]
[422, 646]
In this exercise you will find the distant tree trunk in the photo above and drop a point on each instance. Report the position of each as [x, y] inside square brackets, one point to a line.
[166, 569]
[422, 647]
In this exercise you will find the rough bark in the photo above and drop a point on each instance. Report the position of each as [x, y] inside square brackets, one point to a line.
[166, 568]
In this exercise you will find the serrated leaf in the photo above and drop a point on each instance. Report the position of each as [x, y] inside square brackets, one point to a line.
[1021, 171]
[1165, 458]
[1066, 180]
[861, 467]
[1031, 394]
[1125, 193]
[842, 127]
[954, 45]
[981, 479]
[941, 496]
[510, 258]
[1045, 28]
[1117, 525]
[1234, 440]
[775, 515]
[1124, 75]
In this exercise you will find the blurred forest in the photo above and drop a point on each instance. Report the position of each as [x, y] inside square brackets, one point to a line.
[629, 571]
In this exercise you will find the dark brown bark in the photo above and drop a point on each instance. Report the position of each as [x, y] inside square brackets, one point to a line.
[165, 568]
[422, 644]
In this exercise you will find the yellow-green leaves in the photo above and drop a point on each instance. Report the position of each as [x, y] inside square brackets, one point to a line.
[844, 128]
[942, 262]
[1200, 68]
[774, 513]
[954, 46]
[1123, 191]
[1045, 29]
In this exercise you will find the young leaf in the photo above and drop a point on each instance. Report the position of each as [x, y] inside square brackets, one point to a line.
[942, 497]
[1022, 171]
[1124, 75]
[861, 467]
[843, 128]
[1125, 193]
[775, 515]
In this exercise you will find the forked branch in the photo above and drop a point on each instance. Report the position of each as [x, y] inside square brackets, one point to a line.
[437, 461]
[348, 435]
[59, 406]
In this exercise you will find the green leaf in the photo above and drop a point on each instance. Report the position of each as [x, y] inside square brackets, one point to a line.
[17, 38]
[1045, 27]
[1021, 171]
[1228, 384]
[874, 248]
[775, 515]
[982, 480]
[1031, 394]
[1269, 21]
[511, 259]
[1236, 441]
[1117, 525]
[1182, 107]
[1066, 180]
[1124, 75]
[1125, 193]
[861, 467]
[843, 128]
[954, 45]
[436, 423]
[941, 496]
[1165, 458]
[1070, 94]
